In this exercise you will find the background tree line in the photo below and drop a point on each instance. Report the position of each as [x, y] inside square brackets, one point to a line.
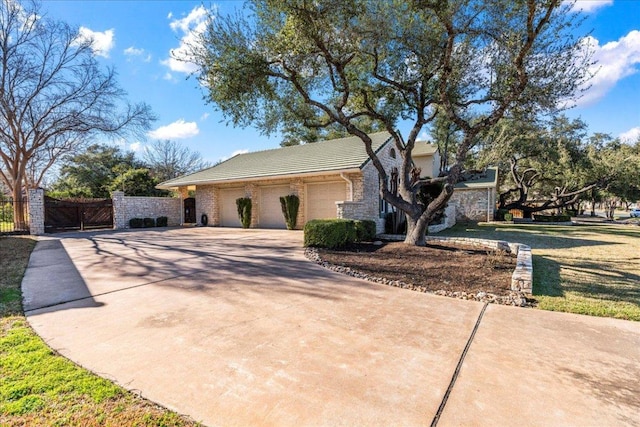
[102, 168]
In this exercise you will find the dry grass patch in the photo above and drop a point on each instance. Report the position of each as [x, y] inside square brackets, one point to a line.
[585, 269]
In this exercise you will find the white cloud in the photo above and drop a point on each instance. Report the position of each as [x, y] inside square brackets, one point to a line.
[168, 76]
[190, 27]
[101, 42]
[204, 117]
[614, 61]
[133, 51]
[589, 6]
[170, 15]
[176, 130]
[136, 147]
[630, 136]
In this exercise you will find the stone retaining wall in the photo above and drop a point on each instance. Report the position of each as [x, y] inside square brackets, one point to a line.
[522, 277]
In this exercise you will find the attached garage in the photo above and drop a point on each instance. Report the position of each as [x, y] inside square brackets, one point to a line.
[321, 199]
[228, 209]
[270, 210]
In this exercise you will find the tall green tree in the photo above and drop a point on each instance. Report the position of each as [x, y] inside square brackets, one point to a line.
[329, 63]
[54, 96]
[101, 169]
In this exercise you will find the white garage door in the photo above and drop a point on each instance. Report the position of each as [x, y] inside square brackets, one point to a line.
[270, 210]
[321, 199]
[228, 208]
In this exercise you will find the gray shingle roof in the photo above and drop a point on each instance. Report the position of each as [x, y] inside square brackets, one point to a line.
[487, 179]
[334, 155]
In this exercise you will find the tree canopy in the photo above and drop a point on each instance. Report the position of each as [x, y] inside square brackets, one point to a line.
[54, 96]
[320, 64]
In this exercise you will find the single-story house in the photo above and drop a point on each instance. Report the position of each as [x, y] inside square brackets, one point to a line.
[333, 179]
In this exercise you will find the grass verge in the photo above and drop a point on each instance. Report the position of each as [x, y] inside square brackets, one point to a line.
[585, 269]
[41, 388]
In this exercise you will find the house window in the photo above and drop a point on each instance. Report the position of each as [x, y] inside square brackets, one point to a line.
[383, 205]
[392, 153]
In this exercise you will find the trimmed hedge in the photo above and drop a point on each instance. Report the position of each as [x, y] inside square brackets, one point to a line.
[244, 211]
[136, 223]
[365, 230]
[551, 218]
[337, 233]
[149, 222]
[162, 221]
[290, 205]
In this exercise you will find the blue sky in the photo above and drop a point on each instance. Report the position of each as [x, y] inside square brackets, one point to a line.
[136, 37]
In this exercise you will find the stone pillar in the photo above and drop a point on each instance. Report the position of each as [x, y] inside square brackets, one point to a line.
[251, 191]
[36, 211]
[119, 217]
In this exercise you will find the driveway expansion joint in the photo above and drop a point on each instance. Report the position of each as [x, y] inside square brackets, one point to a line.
[456, 372]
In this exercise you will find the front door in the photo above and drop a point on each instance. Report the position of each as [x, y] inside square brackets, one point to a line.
[189, 210]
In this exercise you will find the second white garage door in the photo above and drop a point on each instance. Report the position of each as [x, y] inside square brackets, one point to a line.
[270, 210]
[322, 197]
[228, 208]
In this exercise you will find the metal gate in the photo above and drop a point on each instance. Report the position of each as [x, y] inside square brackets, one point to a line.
[14, 216]
[77, 214]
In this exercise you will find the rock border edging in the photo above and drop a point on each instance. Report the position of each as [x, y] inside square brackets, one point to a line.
[521, 279]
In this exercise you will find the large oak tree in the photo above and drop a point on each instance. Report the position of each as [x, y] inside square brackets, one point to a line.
[328, 63]
[54, 96]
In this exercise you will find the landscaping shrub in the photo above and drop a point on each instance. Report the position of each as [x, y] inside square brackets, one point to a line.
[136, 223]
[290, 205]
[162, 221]
[244, 211]
[395, 223]
[149, 222]
[551, 218]
[365, 230]
[499, 215]
[508, 216]
[329, 233]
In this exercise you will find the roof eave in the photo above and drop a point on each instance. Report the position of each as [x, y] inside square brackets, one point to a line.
[162, 186]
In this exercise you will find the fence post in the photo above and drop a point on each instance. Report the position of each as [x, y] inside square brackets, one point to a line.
[36, 211]
[119, 220]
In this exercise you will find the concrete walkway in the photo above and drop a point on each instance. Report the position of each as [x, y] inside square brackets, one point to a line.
[236, 327]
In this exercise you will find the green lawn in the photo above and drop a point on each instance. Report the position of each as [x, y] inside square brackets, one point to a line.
[41, 388]
[586, 269]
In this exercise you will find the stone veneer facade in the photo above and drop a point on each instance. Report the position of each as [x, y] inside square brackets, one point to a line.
[361, 199]
[474, 204]
[36, 211]
[127, 207]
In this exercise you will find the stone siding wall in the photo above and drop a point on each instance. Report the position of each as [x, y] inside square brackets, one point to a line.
[129, 207]
[370, 182]
[36, 211]
[207, 203]
[476, 204]
[120, 219]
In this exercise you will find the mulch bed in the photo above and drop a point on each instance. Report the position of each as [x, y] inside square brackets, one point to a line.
[442, 268]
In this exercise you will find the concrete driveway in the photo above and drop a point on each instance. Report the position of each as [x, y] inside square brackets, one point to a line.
[237, 327]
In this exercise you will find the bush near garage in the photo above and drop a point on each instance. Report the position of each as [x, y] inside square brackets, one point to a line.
[337, 233]
[136, 223]
[244, 211]
[365, 230]
[149, 222]
[162, 221]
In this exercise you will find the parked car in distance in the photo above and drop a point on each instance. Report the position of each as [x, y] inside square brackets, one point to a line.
[635, 213]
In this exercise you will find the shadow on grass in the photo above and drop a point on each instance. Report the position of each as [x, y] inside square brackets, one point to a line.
[546, 277]
[540, 236]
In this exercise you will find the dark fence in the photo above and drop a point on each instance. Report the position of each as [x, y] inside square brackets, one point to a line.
[14, 216]
[77, 214]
